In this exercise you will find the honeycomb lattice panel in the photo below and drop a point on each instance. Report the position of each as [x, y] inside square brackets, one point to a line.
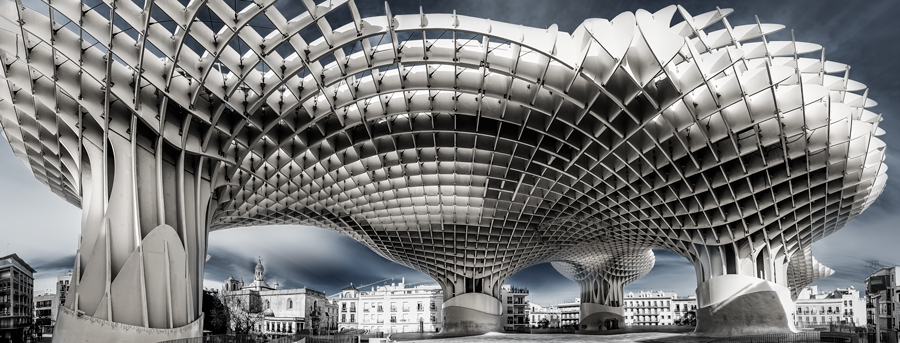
[456, 145]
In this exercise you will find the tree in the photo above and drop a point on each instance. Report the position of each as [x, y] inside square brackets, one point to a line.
[215, 314]
[243, 312]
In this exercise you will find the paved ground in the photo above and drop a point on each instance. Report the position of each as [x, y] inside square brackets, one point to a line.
[657, 334]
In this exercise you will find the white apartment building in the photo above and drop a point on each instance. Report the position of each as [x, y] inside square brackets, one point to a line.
[682, 306]
[514, 305]
[47, 303]
[391, 308]
[543, 316]
[819, 308]
[654, 307]
[570, 313]
[883, 303]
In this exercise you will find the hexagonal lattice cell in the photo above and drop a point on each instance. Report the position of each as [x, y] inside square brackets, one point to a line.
[462, 147]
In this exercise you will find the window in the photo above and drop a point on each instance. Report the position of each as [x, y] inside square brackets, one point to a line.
[352, 318]
[290, 303]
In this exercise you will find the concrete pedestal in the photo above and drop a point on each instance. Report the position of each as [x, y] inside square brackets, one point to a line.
[731, 305]
[594, 316]
[472, 313]
[73, 328]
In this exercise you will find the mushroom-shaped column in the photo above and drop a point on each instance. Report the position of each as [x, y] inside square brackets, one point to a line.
[139, 266]
[602, 278]
[749, 287]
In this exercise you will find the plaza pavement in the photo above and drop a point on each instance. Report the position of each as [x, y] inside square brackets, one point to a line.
[654, 334]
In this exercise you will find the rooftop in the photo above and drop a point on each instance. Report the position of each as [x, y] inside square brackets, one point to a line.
[13, 257]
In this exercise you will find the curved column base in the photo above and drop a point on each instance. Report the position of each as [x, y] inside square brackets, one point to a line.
[595, 317]
[731, 305]
[472, 314]
[71, 327]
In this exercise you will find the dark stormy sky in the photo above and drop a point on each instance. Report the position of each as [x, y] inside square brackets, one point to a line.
[43, 229]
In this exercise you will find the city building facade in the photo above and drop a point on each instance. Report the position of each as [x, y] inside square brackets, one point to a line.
[883, 303]
[570, 313]
[467, 160]
[16, 298]
[270, 310]
[681, 308]
[394, 307]
[47, 303]
[544, 316]
[816, 308]
[62, 290]
[655, 307]
[514, 305]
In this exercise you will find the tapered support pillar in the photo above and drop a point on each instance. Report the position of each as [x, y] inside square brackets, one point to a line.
[472, 313]
[731, 305]
[745, 288]
[602, 278]
[139, 266]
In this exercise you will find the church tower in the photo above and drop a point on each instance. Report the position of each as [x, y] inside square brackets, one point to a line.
[259, 278]
[260, 274]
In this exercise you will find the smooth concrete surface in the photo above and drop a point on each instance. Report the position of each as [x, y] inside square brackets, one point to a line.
[731, 305]
[472, 313]
[594, 316]
[73, 328]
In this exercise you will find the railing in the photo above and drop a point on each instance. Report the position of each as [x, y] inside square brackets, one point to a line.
[800, 337]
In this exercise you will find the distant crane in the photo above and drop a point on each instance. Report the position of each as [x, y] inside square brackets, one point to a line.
[385, 279]
[382, 280]
[873, 266]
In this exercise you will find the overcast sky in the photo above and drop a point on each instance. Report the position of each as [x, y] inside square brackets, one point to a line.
[43, 229]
